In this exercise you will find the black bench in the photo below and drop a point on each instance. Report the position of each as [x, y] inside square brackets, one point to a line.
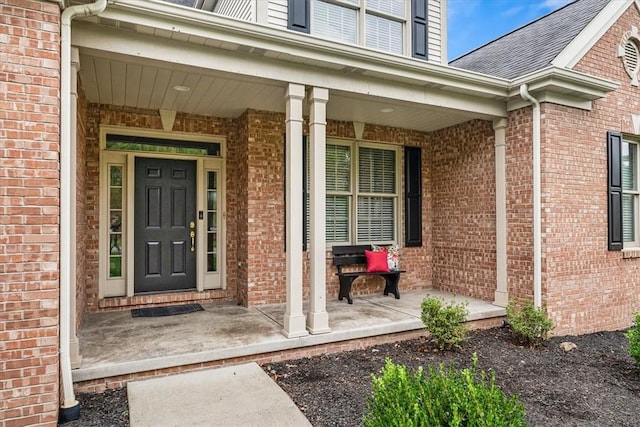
[354, 255]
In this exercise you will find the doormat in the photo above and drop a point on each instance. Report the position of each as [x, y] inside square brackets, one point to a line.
[170, 310]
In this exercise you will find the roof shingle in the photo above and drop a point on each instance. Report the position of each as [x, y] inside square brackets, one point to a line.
[533, 46]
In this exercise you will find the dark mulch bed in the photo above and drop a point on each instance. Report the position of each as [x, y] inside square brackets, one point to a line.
[596, 384]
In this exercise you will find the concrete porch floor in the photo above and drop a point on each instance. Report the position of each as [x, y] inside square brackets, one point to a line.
[114, 343]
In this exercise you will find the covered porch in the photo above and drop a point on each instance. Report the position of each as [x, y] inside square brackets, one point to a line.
[117, 348]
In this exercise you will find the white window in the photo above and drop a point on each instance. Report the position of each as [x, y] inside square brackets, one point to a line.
[630, 194]
[378, 24]
[362, 193]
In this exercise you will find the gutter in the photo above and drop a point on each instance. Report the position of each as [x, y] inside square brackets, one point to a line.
[537, 222]
[70, 408]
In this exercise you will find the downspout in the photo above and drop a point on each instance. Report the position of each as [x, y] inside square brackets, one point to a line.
[537, 221]
[70, 409]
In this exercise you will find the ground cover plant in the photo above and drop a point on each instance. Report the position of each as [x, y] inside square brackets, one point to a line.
[596, 384]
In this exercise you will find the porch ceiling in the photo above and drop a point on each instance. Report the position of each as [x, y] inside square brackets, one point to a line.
[119, 80]
[135, 54]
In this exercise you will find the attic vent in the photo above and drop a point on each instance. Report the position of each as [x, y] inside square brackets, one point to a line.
[629, 54]
[631, 57]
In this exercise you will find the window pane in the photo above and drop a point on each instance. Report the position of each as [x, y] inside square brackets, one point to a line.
[116, 176]
[375, 219]
[383, 34]
[212, 220]
[629, 166]
[377, 171]
[628, 215]
[392, 7]
[334, 21]
[337, 214]
[115, 267]
[338, 169]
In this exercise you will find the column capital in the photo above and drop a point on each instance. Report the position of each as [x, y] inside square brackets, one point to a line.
[295, 91]
[499, 123]
[318, 94]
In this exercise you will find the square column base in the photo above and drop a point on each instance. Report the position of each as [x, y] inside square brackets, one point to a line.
[318, 323]
[294, 326]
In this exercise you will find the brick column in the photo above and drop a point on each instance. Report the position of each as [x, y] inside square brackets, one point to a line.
[501, 295]
[294, 320]
[317, 317]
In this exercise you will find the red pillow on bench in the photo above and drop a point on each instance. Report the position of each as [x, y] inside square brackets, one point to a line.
[376, 261]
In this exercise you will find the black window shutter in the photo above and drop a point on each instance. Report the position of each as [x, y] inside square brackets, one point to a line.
[614, 157]
[305, 192]
[298, 15]
[413, 196]
[419, 16]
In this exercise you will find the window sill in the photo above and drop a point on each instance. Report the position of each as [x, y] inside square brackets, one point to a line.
[631, 253]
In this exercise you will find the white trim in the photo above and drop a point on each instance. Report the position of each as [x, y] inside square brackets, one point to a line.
[125, 286]
[294, 324]
[501, 295]
[591, 33]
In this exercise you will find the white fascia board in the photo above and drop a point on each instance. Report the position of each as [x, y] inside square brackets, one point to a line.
[561, 86]
[300, 47]
[110, 43]
[590, 34]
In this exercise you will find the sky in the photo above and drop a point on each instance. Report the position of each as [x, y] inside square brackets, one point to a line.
[473, 23]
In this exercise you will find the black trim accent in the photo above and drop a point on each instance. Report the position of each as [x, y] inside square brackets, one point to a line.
[419, 29]
[305, 192]
[413, 196]
[298, 18]
[614, 159]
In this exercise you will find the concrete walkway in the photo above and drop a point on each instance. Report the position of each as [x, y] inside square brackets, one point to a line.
[233, 396]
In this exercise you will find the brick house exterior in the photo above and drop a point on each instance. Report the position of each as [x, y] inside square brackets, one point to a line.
[475, 132]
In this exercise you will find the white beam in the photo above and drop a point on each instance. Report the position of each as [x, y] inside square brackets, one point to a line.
[317, 317]
[294, 320]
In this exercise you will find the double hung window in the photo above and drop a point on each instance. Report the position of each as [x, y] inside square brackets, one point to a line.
[361, 193]
[378, 24]
[630, 194]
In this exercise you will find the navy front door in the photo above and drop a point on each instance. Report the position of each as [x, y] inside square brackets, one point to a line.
[164, 225]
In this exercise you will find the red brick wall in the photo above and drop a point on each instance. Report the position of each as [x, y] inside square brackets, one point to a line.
[81, 209]
[462, 165]
[29, 212]
[519, 188]
[587, 288]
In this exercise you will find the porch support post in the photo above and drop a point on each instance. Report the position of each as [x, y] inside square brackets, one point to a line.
[317, 317]
[501, 297]
[74, 344]
[294, 320]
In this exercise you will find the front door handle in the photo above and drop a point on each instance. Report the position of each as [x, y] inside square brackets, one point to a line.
[193, 240]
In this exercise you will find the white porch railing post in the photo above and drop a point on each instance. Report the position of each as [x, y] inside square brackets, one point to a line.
[317, 317]
[501, 297]
[294, 320]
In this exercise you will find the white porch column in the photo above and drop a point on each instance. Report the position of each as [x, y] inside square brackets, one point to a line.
[294, 320]
[317, 317]
[74, 344]
[501, 294]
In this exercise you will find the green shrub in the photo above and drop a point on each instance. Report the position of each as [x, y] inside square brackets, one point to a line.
[633, 335]
[441, 397]
[531, 325]
[445, 323]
